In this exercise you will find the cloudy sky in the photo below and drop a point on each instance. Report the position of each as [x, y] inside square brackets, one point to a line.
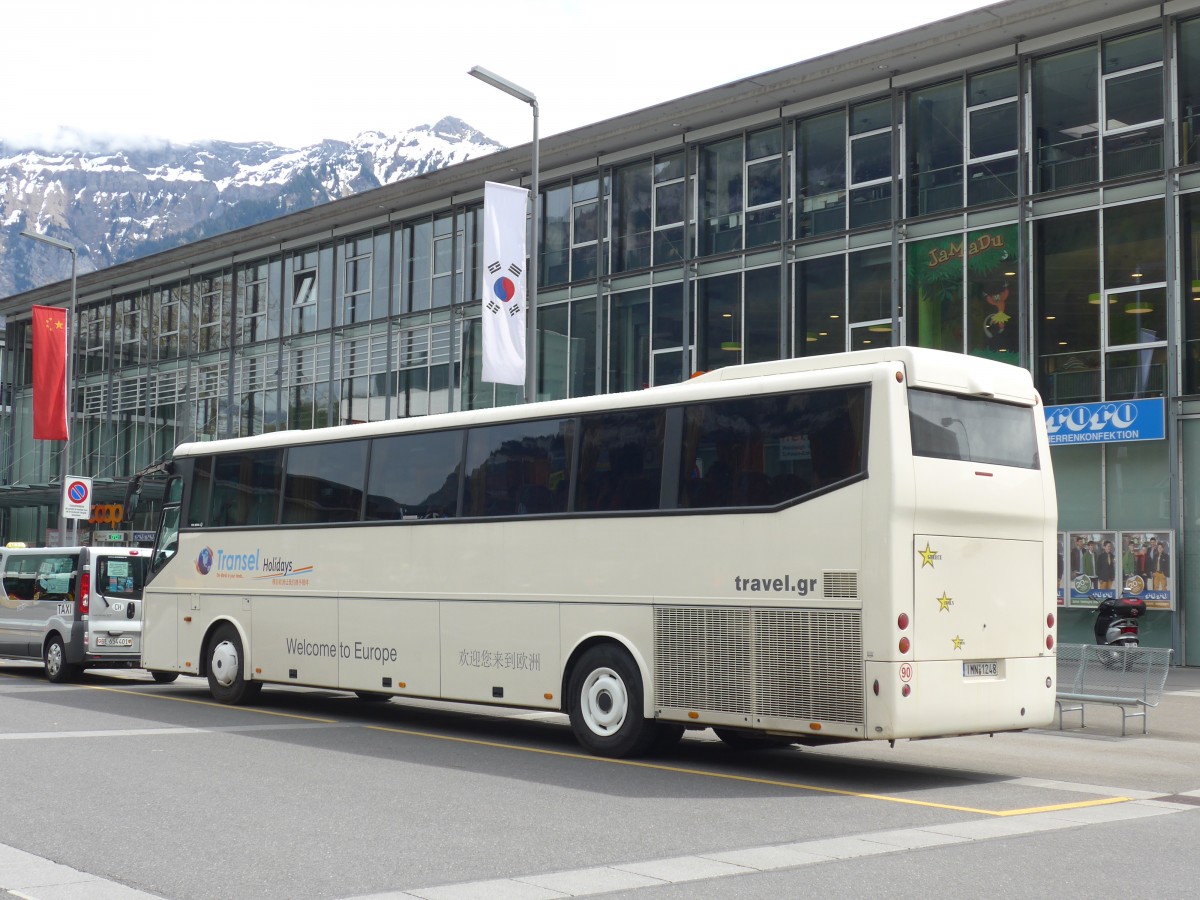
[296, 71]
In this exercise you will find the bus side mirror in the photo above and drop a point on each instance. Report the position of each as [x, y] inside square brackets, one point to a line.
[132, 497]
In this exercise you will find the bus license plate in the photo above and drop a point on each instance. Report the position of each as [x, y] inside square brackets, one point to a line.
[980, 669]
[114, 642]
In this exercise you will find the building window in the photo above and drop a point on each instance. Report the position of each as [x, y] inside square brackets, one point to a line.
[1066, 121]
[820, 313]
[633, 212]
[962, 293]
[1133, 104]
[423, 370]
[721, 201]
[173, 310]
[447, 259]
[93, 328]
[355, 256]
[417, 240]
[308, 386]
[993, 134]
[1189, 289]
[870, 163]
[670, 208]
[1135, 307]
[130, 313]
[1067, 303]
[871, 298]
[821, 174]
[935, 149]
[252, 304]
[764, 187]
[719, 322]
[213, 293]
[303, 278]
[1102, 306]
[629, 341]
[1189, 91]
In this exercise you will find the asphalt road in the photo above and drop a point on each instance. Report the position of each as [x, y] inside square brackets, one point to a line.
[115, 787]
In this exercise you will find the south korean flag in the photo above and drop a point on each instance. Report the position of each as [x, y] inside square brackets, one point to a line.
[504, 213]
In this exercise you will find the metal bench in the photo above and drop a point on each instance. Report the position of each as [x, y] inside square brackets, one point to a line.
[1130, 678]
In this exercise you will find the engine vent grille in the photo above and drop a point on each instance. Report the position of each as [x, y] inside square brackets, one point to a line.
[802, 664]
[840, 585]
[702, 658]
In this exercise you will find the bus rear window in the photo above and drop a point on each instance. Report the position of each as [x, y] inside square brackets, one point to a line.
[973, 430]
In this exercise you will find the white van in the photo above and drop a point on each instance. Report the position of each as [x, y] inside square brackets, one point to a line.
[72, 607]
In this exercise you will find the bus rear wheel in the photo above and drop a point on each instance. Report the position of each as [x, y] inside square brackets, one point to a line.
[605, 704]
[226, 668]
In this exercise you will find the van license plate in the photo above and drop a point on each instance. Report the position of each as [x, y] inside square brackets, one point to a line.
[980, 669]
[114, 642]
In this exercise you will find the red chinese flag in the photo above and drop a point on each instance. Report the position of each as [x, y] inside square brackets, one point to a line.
[49, 374]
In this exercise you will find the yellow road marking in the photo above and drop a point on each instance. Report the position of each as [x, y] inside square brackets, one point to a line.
[212, 703]
[746, 779]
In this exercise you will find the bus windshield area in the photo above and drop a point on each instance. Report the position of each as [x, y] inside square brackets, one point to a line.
[973, 429]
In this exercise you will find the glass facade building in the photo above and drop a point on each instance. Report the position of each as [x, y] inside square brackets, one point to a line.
[1029, 192]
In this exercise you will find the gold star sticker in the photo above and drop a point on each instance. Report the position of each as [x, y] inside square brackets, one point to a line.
[927, 556]
[944, 603]
[958, 642]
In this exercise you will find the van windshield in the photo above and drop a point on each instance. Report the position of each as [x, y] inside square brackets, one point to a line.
[121, 576]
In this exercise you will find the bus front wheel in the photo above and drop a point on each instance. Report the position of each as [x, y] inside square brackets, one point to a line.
[226, 668]
[605, 704]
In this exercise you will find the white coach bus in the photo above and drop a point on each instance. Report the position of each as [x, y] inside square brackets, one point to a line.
[849, 547]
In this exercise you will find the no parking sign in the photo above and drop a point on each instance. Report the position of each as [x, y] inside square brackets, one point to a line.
[77, 498]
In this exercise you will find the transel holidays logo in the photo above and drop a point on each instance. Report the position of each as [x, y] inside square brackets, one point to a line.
[247, 565]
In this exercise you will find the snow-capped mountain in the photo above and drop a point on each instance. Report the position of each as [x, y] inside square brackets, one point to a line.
[116, 205]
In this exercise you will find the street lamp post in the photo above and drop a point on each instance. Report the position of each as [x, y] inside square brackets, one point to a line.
[66, 454]
[531, 348]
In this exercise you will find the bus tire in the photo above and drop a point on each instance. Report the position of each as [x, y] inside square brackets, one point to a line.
[226, 668]
[748, 740]
[164, 677]
[54, 657]
[605, 704]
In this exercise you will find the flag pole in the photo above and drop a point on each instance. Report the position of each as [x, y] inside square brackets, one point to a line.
[531, 347]
[65, 461]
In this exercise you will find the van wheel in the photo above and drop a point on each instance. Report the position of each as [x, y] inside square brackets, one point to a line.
[226, 668]
[164, 677]
[54, 656]
[605, 704]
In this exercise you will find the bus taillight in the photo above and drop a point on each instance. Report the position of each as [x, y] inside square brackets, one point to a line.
[85, 592]
[902, 621]
[1049, 620]
[1049, 642]
[904, 645]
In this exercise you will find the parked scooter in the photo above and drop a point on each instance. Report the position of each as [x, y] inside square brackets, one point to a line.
[1116, 625]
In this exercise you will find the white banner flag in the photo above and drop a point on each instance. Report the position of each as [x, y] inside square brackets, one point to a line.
[504, 209]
